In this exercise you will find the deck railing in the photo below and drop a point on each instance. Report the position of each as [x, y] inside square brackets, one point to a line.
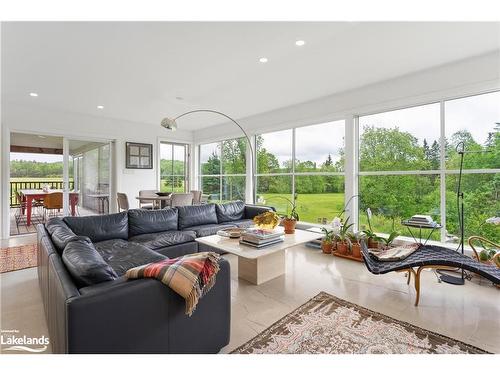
[33, 184]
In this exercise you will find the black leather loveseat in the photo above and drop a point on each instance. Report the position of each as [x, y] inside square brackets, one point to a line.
[91, 308]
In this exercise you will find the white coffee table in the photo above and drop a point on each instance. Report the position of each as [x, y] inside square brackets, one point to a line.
[259, 265]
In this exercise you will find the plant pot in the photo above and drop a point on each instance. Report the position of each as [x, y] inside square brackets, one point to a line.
[327, 247]
[356, 250]
[289, 225]
[372, 244]
[342, 248]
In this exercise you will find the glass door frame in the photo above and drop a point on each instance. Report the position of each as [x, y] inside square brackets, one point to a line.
[66, 166]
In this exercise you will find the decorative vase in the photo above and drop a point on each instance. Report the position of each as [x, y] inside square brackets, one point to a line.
[342, 247]
[326, 247]
[356, 250]
[372, 244]
[289, 225]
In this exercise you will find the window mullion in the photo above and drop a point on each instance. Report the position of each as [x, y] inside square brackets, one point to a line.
[442, 175]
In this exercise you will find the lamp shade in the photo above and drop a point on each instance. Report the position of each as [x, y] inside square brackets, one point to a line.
[169, 124]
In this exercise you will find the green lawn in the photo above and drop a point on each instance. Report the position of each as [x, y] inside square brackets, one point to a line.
[310, 207]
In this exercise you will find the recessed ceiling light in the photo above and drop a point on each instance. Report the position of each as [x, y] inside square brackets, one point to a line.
[179, 98]
[300, 43]
[263, 59]
[33, 94]
[100, 107]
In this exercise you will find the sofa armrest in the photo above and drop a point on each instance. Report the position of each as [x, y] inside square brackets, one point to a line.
[253, 210]
[145, 316]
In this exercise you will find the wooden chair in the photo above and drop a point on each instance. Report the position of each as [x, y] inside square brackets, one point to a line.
[145, 203]
[196, 196]
[51, 203]
[122, 200]
[181, 199]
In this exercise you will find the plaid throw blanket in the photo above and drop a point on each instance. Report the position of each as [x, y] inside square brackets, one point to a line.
[191, 276]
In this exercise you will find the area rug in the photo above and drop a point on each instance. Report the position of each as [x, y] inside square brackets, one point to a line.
[329, 325]
[18, 257]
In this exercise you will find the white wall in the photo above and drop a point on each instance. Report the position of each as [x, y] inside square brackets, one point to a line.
[16, 118]
[470, 76]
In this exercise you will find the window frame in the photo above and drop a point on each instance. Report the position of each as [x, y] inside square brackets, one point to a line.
[220, 176]
[187, 157]
[293, 173]
[442, 172]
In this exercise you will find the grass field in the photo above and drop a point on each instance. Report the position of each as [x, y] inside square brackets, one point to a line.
[311, 207]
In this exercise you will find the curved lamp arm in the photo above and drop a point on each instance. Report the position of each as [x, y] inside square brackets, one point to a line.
[252, 158]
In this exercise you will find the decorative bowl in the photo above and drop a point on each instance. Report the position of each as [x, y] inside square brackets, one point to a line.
[163, 194]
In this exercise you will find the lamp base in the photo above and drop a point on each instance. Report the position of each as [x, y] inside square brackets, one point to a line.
[450, 279]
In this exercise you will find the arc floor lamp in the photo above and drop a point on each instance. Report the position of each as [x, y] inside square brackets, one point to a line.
[171, 124]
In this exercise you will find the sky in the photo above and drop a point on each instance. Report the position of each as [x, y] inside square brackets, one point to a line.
[45, 158]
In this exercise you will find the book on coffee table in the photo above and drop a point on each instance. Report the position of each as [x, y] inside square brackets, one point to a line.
[261, 244]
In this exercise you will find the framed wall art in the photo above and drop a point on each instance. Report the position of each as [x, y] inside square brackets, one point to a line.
[138, 155]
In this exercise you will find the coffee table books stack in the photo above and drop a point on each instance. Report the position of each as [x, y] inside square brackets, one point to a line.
[259, 238]
[421, 221]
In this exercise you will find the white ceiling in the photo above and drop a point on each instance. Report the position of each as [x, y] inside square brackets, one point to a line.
[46, 141]
[137, 69]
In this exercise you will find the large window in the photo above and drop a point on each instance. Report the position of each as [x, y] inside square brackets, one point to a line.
[173, 167]
[407, 158]
[306, 162]
[223, 170]
[475, 121]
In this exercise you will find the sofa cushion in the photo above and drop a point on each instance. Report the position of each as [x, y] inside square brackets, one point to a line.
[190, 216]
[100, 227]
[151, 221]
[252, 210]
[156, 241]
[243, 223]
[61, 235]
[85, 264]
[122, 255]
[209, 229]
[230, 211]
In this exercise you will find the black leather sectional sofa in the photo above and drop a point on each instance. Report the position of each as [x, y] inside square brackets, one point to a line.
[91, 308]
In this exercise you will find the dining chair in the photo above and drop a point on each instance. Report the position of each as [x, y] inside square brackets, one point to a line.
[196, 196]
[51, 203]
[122, 200]
[145, 203]
[181, 199]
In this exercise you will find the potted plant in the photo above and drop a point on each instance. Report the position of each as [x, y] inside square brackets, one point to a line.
[389, 240]
[343, 240]
[290, 219]
[328, 241]
[486, 255]
[355, 246]
[372, 239]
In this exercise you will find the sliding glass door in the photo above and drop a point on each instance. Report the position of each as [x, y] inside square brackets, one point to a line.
[88, 170]
[174, 167]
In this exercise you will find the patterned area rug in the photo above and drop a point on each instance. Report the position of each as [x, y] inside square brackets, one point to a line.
[18, 257]
[327, 324]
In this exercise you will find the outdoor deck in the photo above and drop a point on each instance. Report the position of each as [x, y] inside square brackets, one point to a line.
[36, 218]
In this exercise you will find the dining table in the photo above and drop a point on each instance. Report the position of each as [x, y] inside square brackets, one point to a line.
[29, 195]
[162, 200]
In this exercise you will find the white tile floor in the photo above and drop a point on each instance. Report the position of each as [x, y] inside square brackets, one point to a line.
[468, 313]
